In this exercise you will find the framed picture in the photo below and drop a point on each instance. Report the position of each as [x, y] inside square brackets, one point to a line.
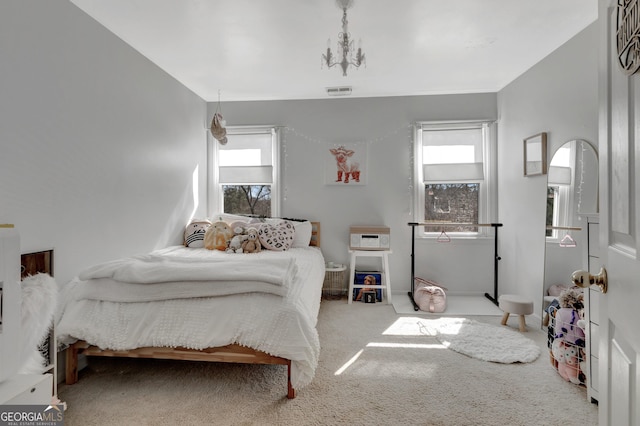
[346, 164]
[535, 155]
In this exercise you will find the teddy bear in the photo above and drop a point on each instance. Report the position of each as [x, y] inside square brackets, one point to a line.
[252, 243]
[217, 236]
[235, 245]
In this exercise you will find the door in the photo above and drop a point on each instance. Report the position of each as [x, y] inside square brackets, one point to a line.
[619, 146]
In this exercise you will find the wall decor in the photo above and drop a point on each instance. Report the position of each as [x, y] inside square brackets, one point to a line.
[535, 155]
[346, 164]
[627, 34]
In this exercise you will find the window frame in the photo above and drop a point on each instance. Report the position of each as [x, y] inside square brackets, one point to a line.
[487, 197]
[216, 193]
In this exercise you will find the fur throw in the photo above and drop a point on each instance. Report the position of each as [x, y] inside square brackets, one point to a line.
[39, 301]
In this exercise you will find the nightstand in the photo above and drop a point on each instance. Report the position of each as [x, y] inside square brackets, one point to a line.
[383, 255]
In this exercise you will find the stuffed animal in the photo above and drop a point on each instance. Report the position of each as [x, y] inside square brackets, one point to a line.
[218, 236]
[252, 243]
[567, 356]
[572, 298]
[235, 245]
[567, 317]
[194, 233]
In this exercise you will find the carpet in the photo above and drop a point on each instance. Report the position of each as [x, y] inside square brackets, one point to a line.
[456, 305]
[482, 341]
[375, 368]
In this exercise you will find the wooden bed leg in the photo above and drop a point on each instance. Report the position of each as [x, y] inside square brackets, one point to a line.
[71, 363]
[291, 392]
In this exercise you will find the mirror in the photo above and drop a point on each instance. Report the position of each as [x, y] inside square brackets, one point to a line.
[572, 194]
[535, 155]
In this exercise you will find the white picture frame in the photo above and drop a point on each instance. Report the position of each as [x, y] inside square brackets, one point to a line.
[535, 155]
[346, 164]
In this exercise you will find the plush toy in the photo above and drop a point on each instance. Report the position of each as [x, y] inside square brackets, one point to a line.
[567, 356]
[252, 243]
[194, 233]
[235, 245]
[218, 236]
[567, 317]
[572, 298]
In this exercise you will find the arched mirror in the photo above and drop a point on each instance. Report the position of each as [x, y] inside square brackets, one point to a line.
[572, 195]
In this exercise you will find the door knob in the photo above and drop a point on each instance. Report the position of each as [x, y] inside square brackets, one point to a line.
[584, 279]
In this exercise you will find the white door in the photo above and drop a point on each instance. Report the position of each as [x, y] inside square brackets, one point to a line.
[619, 147]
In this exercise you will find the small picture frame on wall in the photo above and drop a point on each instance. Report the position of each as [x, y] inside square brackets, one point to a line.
[535, 155]
[346, 164]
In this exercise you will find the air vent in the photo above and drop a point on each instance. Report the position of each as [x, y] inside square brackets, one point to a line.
[339, 91]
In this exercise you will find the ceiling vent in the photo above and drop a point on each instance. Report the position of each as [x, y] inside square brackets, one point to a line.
[339, 91]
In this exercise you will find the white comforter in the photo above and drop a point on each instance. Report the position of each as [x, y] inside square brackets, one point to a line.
[279, 325]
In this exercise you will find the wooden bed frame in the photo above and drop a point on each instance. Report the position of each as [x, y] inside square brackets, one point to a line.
[231, 353]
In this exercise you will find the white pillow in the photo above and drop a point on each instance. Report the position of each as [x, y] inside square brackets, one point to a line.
[228, 217]
[302, 237]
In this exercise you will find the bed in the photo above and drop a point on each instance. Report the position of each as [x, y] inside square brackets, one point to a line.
[197, 304]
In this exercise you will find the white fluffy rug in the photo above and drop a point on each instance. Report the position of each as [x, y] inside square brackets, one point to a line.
[483, 341]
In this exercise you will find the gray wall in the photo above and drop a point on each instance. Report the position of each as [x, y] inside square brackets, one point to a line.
[99, 149]
[559, 95]
[104, 155]
[385, 124]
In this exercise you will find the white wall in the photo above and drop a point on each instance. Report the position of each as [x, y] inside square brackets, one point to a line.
[99, 149]
[385, 124]
[104, 155]
[559, 95]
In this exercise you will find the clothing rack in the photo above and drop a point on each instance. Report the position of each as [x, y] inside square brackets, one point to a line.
[496, 257]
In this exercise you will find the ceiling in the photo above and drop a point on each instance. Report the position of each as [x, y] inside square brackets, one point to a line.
[242, 50]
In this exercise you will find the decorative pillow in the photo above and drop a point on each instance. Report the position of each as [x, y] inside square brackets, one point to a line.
[228, 217]
[194, 233]
[239, 224]
[218, 236]
[277, 236]
[302, 236]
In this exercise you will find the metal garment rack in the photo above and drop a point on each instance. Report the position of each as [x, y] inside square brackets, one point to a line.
[496, 257]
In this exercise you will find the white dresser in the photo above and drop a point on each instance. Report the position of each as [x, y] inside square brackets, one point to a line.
[591, 303]
[27, 389]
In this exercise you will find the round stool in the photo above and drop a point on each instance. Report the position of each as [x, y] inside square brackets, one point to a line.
[517, 305]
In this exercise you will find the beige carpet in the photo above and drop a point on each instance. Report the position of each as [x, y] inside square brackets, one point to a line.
[369, 374]
[456, 306]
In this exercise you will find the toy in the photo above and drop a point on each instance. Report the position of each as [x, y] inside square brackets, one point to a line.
[252, 243]
[567, 317]
[567, 356]
[218, 236]
[194, 233]
[235, 245]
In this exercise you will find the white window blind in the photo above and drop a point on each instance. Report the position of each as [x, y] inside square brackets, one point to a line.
[452, 155]
[246, 159]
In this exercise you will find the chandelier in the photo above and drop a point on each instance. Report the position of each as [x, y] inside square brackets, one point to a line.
[346, 54]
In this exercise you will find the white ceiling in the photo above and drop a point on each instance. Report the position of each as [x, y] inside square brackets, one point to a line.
[270, 49]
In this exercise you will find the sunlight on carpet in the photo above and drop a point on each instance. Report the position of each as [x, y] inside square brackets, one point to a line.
[456, 305]
[469, 337]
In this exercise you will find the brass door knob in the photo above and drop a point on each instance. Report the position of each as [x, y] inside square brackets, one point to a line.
[584, 279]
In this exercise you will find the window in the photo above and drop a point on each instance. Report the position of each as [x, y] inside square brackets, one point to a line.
[245, 172]
[454, 176]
